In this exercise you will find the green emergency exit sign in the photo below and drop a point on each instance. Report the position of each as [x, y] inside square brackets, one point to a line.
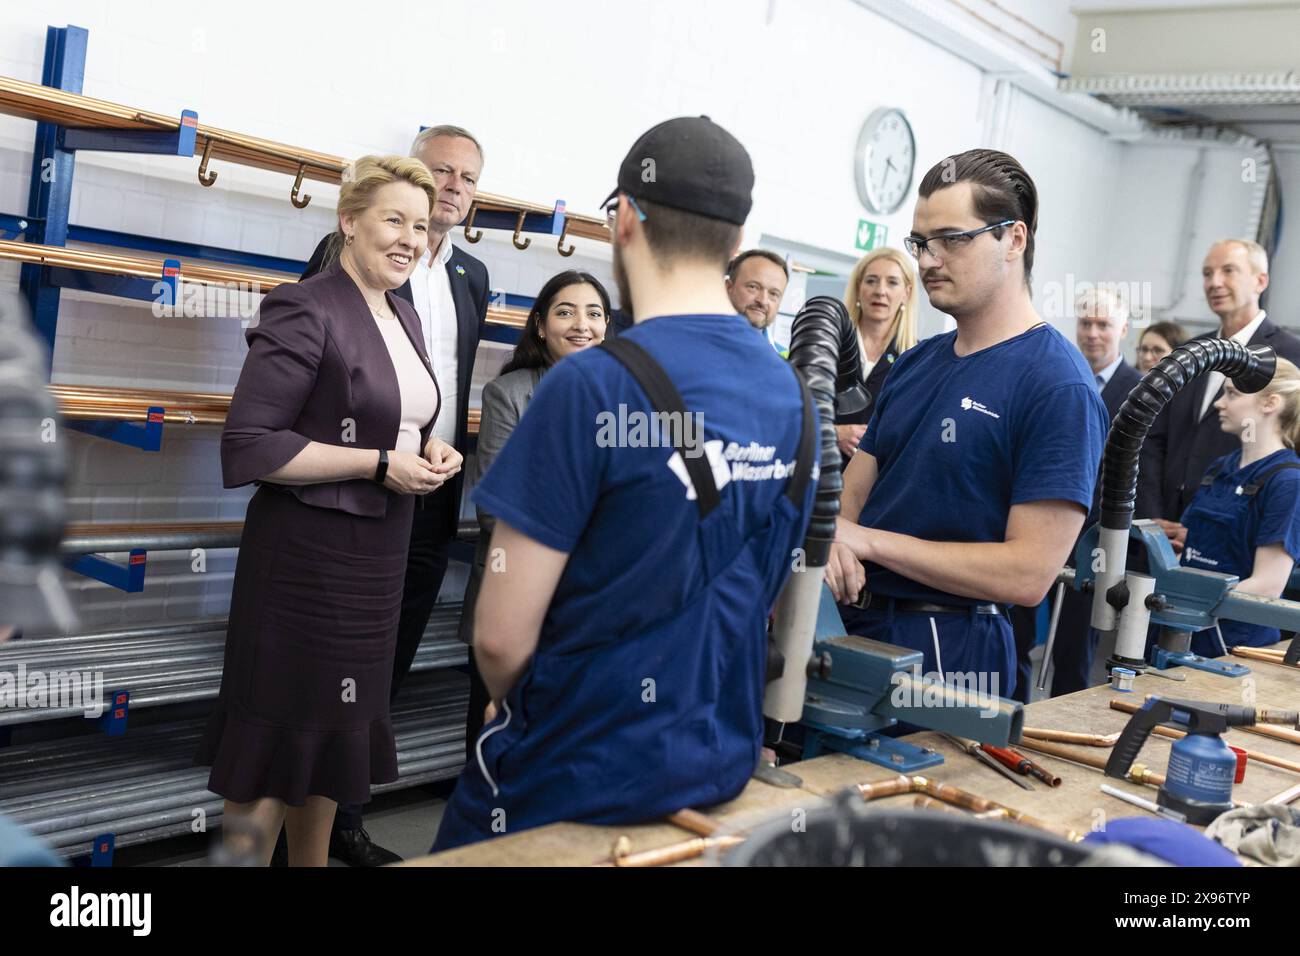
[871, 235]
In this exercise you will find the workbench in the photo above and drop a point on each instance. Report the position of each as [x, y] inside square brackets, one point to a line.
[1077, 803]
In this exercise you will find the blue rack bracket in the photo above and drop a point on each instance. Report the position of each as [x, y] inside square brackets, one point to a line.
[128, 577]
[113, 720]
[164, 142]
[101, 853]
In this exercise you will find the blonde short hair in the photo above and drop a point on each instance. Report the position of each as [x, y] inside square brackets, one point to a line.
[365, 177]
[1286, 385]
[902, 330]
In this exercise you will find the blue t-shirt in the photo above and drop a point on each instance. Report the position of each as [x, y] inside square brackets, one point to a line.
[645, 693]
[1224, 527]
[958, 440]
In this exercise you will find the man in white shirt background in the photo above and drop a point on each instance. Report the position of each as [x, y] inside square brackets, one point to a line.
[449, 289]
[1186, 436]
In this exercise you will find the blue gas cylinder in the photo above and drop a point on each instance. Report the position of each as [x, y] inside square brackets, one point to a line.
[1200, 775]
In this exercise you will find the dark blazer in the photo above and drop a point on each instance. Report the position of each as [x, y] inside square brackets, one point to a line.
[1180, 447]
[874, 383]
[315, 360]
[1122, 381]
[469, 291]
[505, 399]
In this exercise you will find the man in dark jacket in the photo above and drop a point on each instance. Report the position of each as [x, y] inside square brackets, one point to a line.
[1186, 437]
[449, 290]
[1101, 327]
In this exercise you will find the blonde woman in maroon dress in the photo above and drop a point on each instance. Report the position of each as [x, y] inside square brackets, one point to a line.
[331, 418]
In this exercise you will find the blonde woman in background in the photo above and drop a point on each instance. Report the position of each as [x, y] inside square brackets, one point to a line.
[882, 298]
[1245, 517]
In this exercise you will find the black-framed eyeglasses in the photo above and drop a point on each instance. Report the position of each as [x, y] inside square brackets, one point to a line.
[940, 246]
[611, 211]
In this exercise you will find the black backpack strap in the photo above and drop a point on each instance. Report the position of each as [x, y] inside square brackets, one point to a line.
[664, 397]
[1252, 489]
[807, 446]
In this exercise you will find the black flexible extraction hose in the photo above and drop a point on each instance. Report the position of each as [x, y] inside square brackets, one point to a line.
[824, 350]
[1250, 368]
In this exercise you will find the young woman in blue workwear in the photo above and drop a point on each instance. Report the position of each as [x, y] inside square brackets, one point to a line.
[1245, 517]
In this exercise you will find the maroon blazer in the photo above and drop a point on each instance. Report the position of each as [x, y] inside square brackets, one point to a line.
[315, 360]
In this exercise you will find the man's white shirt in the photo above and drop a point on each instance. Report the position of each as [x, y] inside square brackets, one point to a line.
[431, 290]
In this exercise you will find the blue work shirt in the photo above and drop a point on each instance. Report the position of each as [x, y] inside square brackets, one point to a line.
[958, 440]
[645, 692]
[1225, 527]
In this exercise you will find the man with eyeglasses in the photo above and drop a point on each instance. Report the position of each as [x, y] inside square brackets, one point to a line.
[979, 462]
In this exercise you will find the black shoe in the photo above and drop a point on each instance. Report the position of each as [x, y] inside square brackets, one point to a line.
[354, 848]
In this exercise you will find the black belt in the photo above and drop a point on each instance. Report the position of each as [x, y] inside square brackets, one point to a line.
[922, 607]
[866, 599]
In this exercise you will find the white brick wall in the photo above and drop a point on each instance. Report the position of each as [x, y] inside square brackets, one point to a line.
[554, 125]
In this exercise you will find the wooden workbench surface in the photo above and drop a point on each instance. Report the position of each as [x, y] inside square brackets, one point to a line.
[1077, 804]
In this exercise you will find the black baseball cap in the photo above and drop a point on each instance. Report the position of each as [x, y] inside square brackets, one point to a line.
[692, 164]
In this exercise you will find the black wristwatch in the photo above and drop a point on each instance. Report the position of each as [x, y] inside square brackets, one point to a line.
[382, 469]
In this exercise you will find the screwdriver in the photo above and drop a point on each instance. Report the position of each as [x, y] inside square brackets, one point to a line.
[1021, 764]
[976, 750]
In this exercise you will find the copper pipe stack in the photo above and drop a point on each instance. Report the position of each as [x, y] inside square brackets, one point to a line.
[136, 266]
[118, 529]
[33, 101]
[143, 268]
[513, 318]
[1260, 654]
[132, 404]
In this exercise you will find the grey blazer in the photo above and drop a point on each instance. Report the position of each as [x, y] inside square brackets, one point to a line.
[504, 401]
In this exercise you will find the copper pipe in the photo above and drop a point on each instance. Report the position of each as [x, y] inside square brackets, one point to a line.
[970, 801]
[1042, 33]
[1054, 62]
[923, 802]
[116, 529]
[1071, 737]
[1277, 733]
[142, 268]
[1138, 773]
[1286, 797]
[673, 853]
[695, 822]
[886, 788]
[190, 408]
[1261, 654]
[34, 101]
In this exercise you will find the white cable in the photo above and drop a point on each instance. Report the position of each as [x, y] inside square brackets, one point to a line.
[478, 747]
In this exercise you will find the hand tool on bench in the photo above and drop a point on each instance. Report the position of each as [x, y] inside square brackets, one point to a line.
[976, 751]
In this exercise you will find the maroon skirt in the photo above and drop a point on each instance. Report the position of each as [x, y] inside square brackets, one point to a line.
[303, 709]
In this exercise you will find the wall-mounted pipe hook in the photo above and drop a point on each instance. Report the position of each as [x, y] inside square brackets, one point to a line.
[300, 203]
[206, 178]
[519, 227]
[477, 234]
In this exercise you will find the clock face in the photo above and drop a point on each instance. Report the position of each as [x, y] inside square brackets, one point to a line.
[886, 158]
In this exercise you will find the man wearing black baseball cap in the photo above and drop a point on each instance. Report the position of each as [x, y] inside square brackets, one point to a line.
[647, 508]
